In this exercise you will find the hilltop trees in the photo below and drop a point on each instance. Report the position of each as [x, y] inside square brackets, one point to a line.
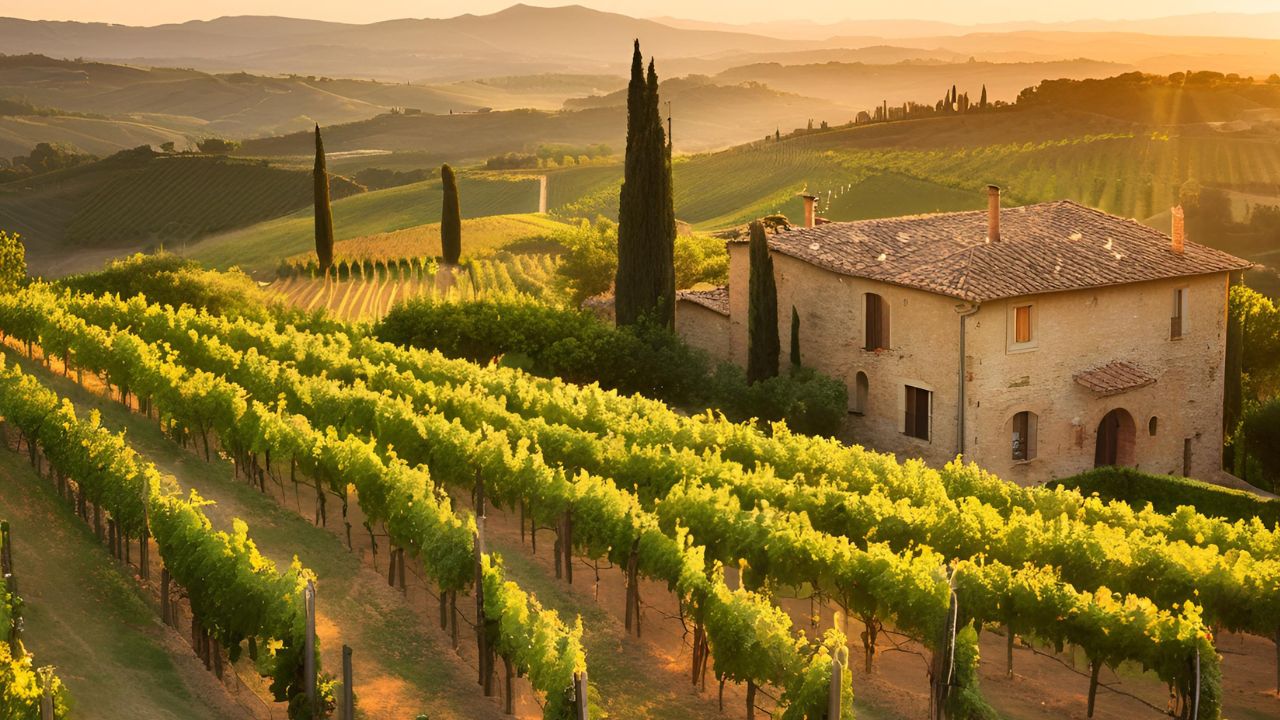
[324, 213]
[645, 282]
[450, 218]
[762, 310]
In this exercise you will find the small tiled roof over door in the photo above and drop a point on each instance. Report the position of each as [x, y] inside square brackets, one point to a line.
[1114, 378]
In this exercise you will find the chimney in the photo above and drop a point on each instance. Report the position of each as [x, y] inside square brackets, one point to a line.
[993, 213]
[810, 211]
[1179, 233]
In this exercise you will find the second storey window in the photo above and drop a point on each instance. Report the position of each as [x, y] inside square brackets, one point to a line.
[877, 316]
[1022, 327]
[1178, 320]
[919, 412]
[1022, 324]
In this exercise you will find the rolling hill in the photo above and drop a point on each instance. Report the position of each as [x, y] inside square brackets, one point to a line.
[259, 248]
[137, 199]
[161, 104]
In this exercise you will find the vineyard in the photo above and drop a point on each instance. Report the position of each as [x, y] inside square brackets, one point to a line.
[698, 506]
[367, 290]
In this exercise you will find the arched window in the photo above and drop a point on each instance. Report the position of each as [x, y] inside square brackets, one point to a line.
[877, 320]
[1152, 425]
[860, 389]
[1023, 437]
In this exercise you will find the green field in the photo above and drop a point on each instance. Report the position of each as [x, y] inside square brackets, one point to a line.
[182, 197]
[480, 236]
[259, 248]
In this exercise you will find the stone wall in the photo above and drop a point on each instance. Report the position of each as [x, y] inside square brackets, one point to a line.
[1073, 332]
[1077, 331]
[703, 328]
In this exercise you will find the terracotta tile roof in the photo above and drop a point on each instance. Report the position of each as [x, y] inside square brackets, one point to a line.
[1114, 378]
[715, 299]
[1047, 247]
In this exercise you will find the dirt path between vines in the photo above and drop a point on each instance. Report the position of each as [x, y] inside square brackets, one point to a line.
[84, 616]
[400, 670]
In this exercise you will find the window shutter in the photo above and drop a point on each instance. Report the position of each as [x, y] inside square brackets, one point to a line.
[1022, 324]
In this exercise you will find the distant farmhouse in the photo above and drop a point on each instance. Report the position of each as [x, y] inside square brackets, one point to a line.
[1038, 341]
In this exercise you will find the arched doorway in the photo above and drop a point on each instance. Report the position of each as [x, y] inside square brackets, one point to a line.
[1115, 439]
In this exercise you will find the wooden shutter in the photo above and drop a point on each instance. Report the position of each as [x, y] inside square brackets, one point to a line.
[917, 419]
[1022, 324]
[875, 322]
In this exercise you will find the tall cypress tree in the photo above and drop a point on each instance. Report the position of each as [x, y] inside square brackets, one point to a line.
[795, 337]
[982, 101]
[450, 218]
[762, 310]
[324, 213]
[645, 282]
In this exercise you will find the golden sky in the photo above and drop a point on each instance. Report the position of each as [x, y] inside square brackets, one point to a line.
[154, 12]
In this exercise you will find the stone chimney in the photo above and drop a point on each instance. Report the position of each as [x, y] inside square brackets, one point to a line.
[810, 210]
[993, 213]
[1179, 233]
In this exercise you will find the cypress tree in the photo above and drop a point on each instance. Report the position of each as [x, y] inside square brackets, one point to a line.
[645, 282]
[450, 218]
[982, 101]
[795, 337]
[324, 213]
[762, 310]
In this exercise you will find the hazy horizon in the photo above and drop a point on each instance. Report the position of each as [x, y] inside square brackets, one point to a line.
[155, 12]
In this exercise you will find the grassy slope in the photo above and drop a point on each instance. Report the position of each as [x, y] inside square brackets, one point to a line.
[18, 134]
[84, 617]
[258, 248]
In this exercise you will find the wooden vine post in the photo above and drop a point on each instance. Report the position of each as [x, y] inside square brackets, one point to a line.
[942, 668]
[837, 687]
[309, 648]
[46, 693]
[6, 551]
[633, 588]
[484, 653]
[566, 545]
[348, 690]
[580, 709]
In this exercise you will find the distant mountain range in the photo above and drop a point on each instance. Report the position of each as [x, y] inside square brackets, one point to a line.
[1252, 25]
[523, 40]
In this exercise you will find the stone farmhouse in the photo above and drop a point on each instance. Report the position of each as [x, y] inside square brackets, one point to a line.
[1038, 341]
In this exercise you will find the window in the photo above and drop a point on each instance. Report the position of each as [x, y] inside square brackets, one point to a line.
[919, 410]
[877, 312]
[1022, 327]
[1178, 320]
[1024, 436]
[860, 390]
[1153, 425]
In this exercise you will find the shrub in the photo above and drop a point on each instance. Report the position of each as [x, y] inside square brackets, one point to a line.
[644, 358]
[176, 281]
[1166, 492]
